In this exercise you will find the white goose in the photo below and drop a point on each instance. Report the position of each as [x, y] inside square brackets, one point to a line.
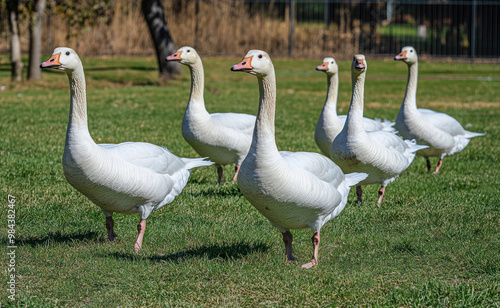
[443, 134]
[381, 154]
[223, 137]
[294, 190]
[329, 123]
[130, 177]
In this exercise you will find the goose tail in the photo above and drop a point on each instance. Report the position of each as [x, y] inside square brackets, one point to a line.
[414, 147]
[472, 134]
[354, 178]
[386, 125]
[197, 162]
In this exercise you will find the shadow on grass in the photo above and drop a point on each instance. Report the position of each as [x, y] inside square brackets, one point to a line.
[96, 69]
[120, 81]
[201, 180]
[5, 67]
[226, 190]
[121, 68]
[211, 252]
[58, 237]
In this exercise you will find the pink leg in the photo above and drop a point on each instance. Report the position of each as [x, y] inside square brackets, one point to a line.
[287, 239]
[359, 193]
[109, 225]
[236, 170]
[141, 227]
[381, 192]
[314, 260]
[428, 164]
[219, 174]
[440, 163]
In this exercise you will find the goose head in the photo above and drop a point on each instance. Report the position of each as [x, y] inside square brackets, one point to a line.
[185, 55]
[329, 66]
[408, 54]
[63, 58]
[256, 62]
[358, 65]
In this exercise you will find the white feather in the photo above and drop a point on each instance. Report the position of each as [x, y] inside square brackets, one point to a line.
[381, 154]
[329, 123]
[130, 177]
[222, 137]
[442, 133]
[294, 190]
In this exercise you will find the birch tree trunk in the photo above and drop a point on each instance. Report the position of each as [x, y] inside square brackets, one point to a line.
[36, 40]
[164, 44]
[15, 43]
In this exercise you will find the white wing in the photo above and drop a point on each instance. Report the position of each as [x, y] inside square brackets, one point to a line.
[147, 155]
[389, 140]
[373, 124]
[443, 122]
[320, 166]
[242, 122]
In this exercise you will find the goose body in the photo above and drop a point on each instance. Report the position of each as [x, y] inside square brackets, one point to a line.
[130, 177]
[222, 137]
[442, 133]
[329, 123]
[381, 154]
[293, 190]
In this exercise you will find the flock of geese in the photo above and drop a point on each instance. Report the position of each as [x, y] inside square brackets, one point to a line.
[293, 190]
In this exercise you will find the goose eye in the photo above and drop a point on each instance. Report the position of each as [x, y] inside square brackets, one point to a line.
[260, 56]
[411, 50]
[67, 53]
[189, 50]
[332, 62]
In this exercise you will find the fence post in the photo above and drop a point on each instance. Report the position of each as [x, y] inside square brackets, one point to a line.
[327, 12]
[291, 4]
[327, 22]
[197, 14]
[473, 31]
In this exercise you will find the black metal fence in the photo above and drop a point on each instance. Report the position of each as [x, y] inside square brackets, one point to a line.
[447, 28]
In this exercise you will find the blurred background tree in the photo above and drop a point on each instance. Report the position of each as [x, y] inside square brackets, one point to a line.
[15, 41]
[164, 44]
[36, 9]
[465, 29]
[79, 17]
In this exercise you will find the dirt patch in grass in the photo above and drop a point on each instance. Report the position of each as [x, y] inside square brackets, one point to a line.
[434, 77]
[472, 105]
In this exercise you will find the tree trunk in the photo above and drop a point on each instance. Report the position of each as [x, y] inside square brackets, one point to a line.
[15, 43]
[36, 40]
[164, 44]
[291, 30]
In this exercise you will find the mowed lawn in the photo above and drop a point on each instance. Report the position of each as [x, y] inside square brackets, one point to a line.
[434, 242]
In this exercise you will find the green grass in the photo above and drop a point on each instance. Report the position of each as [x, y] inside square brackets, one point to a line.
[434, 242]
[408, 33]
[400, 31]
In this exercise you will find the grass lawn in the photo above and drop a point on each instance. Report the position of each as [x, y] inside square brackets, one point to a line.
[434, 242]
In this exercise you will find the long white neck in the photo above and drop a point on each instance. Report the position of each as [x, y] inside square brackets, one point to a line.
[196, 102]
[263, 135]
[77, 124]
[354, 122]
[331, 95]
[78, 105]
[410, 100]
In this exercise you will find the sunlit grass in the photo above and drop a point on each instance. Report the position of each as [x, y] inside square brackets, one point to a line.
[434, 242]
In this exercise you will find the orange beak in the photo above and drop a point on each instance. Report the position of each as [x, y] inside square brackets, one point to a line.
[359, 64]
[401, 56]
[322, 67]
[175, 57]
[53, 62]
[244, 65]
